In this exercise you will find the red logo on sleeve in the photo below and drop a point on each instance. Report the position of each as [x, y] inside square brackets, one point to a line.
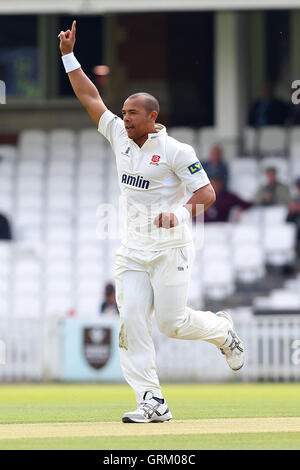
[154, 160]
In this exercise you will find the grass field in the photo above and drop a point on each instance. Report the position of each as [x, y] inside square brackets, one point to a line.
[221, 416]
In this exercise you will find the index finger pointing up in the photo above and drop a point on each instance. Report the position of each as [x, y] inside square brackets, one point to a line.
[73, 31]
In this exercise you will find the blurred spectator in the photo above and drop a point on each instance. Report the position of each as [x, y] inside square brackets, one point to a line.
[215, 166]
[269, 110]
[274, 192]
[5, 230]
[294, 212]
[225, 202]
[109, 306]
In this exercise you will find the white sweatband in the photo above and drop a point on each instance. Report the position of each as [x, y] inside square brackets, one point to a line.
[182, 214]
[70, 62]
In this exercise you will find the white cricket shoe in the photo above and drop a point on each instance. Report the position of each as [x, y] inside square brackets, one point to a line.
[233, 348]
[150, 410]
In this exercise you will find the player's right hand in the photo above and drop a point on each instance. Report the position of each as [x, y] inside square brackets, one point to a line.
[67, 39]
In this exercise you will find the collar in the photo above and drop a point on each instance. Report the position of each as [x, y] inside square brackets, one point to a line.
[161, 130]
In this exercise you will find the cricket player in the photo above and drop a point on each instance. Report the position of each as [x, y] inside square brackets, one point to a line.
[154, 261]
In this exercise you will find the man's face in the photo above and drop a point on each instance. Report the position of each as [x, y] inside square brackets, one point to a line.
[271, 176]
[137, 120]
[215, 155]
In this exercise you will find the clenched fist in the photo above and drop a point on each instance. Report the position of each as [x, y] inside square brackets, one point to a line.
[67, 39]
[166, 220]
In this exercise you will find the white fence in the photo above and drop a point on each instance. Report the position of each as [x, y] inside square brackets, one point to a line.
[34, 352]
[272, 345]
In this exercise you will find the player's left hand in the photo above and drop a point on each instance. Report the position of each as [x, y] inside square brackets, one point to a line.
[165, 220]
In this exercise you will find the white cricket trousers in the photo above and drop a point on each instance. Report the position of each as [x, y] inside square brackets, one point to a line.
[157, 281]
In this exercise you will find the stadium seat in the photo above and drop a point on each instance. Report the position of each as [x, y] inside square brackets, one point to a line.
[207, 138]
[294, 134]
[274, 215]
[248, 262]
[243, 166]
[90, 137]
[60, 202]
[59, 234]
[6, 203]
[4, 306]
[32, 184]
[90, 268]
[64, 153]
[284, 299]
[5, 268]
[61, 168]
[218, 280]
[95, 152]
[33, 137]
[27, 306]
[88, 201]
[29, 202]
[60, 185]
[245, 233]
[8, 153]
[26, 266]
[250, 142]
[244, 186]
[86, 234]
[279, 242]
[5, 250]
[272, 140]
[216, 232]
[58, 251]
[186, 135]
[58, 286]
[7, 168]
[93, 250]
[59, 268]
[30, 168]
[29, 218]
[216, 251]
[33, 153]
[6, 184]
[88, 306]
[59, 305]
[30, 286]
[62, 138]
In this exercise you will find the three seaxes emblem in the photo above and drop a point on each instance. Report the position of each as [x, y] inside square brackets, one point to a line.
[97, 346]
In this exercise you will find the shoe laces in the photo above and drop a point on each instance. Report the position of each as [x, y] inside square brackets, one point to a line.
[235, 344]
[148, 407]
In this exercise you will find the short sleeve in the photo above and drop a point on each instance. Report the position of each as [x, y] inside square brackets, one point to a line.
[111, 127]
[188, 168]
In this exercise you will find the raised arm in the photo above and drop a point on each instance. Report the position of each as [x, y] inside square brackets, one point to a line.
[84, 89]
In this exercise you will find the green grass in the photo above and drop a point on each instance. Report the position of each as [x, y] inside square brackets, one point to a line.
[77, 403]
[98, 402]
[245, 441]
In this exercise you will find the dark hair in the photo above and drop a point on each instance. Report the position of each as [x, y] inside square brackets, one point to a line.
[109, 289]
[151, 103]
[271, 168]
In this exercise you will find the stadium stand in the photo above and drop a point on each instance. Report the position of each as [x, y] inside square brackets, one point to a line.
[51, 185]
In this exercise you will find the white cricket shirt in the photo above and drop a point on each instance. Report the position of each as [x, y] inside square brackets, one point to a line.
[152, 179]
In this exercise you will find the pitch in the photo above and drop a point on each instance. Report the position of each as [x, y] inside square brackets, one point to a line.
[215, 416]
